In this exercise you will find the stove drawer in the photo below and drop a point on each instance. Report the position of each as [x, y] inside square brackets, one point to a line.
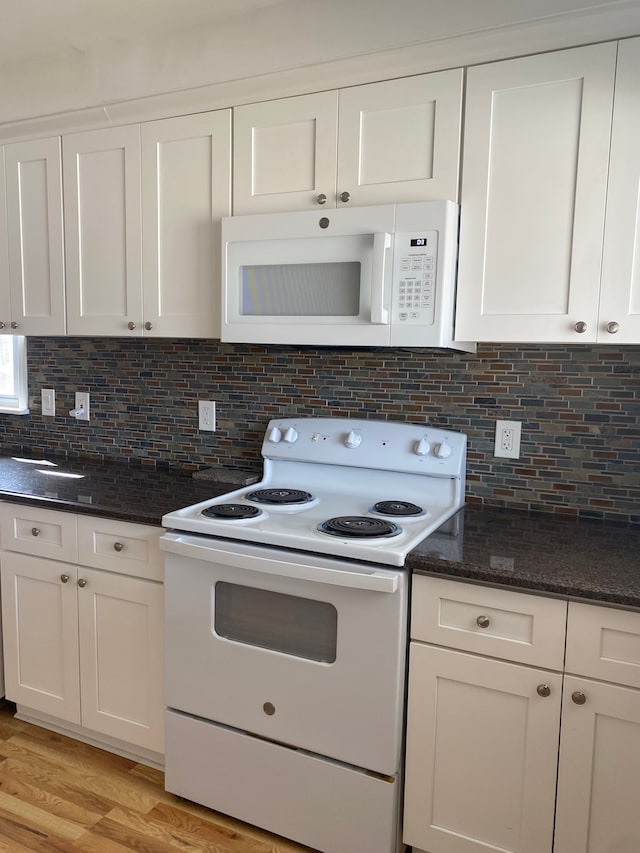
[494, 622]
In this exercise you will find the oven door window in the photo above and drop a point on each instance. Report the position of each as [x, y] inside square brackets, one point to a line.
[302, 627]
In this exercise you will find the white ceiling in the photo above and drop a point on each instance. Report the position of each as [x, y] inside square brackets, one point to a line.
[38, 29]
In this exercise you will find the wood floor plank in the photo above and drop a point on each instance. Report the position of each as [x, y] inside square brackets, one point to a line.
[38, 819]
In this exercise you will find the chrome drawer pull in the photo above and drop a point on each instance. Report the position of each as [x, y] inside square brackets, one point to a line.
[543, 690]
[82, 583]
[64, 578]
[118, 546]
[35, 531]
[578, 697]
[483, 621]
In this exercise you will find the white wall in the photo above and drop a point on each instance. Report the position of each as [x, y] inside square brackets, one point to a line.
[304, 34]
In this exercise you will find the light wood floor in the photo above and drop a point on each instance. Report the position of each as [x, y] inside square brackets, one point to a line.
[57, 794]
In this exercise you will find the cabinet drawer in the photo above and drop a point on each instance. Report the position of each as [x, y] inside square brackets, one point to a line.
[41, 532]
[604, 643]
[119, 546]
[494, 622]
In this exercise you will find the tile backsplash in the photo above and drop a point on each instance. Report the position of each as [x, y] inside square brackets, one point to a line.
[579, 407]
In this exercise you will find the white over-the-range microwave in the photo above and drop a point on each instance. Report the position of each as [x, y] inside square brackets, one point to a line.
[369, 276]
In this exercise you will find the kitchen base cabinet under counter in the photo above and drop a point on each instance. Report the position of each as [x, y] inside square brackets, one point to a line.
[502, 756]
[83, 645]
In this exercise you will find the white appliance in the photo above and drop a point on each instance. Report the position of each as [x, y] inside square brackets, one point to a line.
[286, 629]
[370, 276]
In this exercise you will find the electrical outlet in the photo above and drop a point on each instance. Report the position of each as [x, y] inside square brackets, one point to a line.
[48, 399]
[82, 406]
[207, 415]
[507, 443]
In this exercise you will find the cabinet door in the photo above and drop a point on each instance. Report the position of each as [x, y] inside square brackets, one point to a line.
[284, 154]
[34, 223]
[103, 231]
[400, 140]
[186, 189]
[120, 630]
[619, 320]
[40, 633]
[599, 774]
[536, 148]
[5, 295]
[482, 752]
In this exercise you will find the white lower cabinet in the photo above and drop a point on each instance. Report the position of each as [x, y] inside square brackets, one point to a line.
[488, 740]
[83, 646]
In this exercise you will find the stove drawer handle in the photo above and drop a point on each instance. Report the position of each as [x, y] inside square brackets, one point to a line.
[382, 581]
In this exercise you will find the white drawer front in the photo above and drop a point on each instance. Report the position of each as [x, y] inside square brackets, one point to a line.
[120, 546]
[604, 643]
[41, 532]
[494, 622]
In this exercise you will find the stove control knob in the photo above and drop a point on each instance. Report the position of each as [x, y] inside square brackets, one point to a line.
[290, 436]
[275, 435]
[353, 439]
[443, 450]
[422, 447]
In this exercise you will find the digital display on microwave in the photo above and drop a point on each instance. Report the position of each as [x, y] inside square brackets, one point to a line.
[418, 241]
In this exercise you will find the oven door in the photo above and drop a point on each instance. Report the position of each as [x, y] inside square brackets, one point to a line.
[299, 649]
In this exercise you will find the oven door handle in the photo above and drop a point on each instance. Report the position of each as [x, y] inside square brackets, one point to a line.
[373, 580]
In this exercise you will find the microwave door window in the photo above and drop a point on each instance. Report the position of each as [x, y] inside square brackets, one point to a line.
[301, 290]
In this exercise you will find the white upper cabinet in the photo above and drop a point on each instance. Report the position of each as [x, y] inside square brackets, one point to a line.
[619, 318]
[142, 205]
[393, 141]
[31, 240]
[103, 233]
[186, 189]
[534, 182]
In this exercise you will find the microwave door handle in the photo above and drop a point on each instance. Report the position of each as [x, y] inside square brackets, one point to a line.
[381, 242]
[186, 546]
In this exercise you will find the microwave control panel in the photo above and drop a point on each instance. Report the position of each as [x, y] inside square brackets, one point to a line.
[414, 278]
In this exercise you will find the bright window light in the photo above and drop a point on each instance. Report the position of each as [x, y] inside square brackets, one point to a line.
[13, 375]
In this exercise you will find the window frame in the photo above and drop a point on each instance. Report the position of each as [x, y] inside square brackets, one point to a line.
[17, 403]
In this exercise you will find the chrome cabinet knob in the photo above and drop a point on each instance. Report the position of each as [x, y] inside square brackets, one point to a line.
[613, 327]
[483, 621]
[578, 697]
[131, 325]
[14, 325]
[148, 326]
[3, 325]
[35, 531]
[580, 327]
[82, 582]
[64, 578]
[543, 690]
[321, 199]
[118, 546]
[345, 197]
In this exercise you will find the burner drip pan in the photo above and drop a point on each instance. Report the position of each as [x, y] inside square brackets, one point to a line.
[231, 511]
[397, 508]
[359, 526]
[280, 496]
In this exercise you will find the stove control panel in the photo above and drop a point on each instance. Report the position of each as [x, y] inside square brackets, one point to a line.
[373, 444]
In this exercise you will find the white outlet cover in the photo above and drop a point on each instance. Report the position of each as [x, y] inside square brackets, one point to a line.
[512, 452]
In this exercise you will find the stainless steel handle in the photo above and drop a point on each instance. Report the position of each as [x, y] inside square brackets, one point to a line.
[543, 690]
[613, 327]
[148, 326]
[118, 546]
[64, 578]
[14, 325]
[483, 621]
[321, 199]
[580, 327]
[345, 197]
[578, 697]
[131, 325]
[82, 582]
[35, 531]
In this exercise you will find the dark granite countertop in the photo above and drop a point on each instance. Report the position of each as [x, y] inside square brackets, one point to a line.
[110, 489]
[590, 560]
[531, 552]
